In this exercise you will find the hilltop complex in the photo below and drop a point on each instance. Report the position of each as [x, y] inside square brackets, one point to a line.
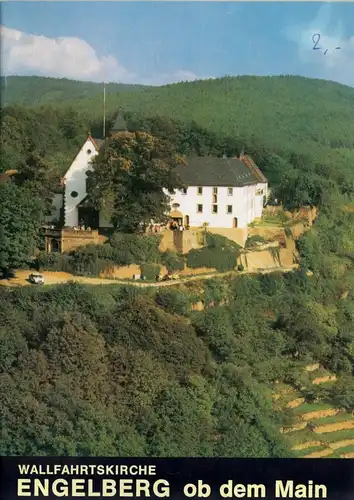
[221, 192]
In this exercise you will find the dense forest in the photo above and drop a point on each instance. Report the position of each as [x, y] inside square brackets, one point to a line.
[115, 370]
[29, 90]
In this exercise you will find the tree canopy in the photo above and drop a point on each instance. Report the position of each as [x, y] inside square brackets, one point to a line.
[129, 178]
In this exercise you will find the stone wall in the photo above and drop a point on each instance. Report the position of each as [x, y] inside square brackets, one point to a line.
[193, 238]
[71, 239]
[266, 259]
[126, 272]
[238, 235]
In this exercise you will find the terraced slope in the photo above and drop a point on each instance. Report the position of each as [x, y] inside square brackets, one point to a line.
[318, 430]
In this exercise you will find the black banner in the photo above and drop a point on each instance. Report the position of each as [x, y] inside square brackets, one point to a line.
[180, 478]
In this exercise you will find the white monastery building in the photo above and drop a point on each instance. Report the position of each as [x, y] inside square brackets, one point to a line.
[220, 193]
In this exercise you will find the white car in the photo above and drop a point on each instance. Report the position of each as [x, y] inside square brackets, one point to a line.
[36, 279]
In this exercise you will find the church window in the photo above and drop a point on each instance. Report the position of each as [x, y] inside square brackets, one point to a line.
[74, 194]
[89, 151]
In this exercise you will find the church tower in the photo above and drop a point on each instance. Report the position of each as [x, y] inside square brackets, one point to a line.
[120, 125]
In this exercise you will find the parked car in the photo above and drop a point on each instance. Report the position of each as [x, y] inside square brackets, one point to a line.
[169, 277]
[36, 279]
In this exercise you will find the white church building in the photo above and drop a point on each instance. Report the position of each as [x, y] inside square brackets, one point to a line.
[220, 192]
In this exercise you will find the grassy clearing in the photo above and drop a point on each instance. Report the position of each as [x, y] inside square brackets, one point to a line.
[303, 436]
[332, 437]
[307, 451]
[335, 419]
[307, 445]
[346, 449]
[324, 453]
[338, 445]
[310, 407]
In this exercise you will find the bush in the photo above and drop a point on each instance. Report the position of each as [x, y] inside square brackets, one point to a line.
[216, 290]
[212, 258]
[173, 261]
[150, 271]
[54, 262]
[254, 241]
[220, 254]
[135, 248]
[91, 260]
[218, 241]
[342, 393]
[174, 301]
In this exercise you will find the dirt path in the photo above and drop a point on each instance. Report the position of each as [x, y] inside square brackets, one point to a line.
[53, 278]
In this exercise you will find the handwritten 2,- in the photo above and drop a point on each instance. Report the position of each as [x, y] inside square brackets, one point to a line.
[316, 40]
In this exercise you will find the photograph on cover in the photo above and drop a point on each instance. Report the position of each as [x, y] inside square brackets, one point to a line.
[198, 157]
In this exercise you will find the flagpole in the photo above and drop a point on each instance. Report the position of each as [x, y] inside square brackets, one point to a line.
[104, 108]
[5, 90]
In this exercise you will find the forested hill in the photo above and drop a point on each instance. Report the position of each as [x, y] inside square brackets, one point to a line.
[270, 109]
[32, 90]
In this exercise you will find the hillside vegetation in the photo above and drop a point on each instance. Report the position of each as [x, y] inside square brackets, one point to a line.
[136, 372]
[264, 107]
[112, 370]
[31, 90]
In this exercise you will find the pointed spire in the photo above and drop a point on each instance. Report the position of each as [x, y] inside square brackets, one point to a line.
[119, 124]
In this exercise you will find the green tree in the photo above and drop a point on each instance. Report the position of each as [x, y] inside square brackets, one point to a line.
[20, 217]
[128, 179]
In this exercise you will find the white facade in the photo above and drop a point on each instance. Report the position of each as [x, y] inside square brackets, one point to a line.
[75, 185]
[232, 207]
[75, 182]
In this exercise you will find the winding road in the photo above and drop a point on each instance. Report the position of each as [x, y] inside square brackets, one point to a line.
[54, 278]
